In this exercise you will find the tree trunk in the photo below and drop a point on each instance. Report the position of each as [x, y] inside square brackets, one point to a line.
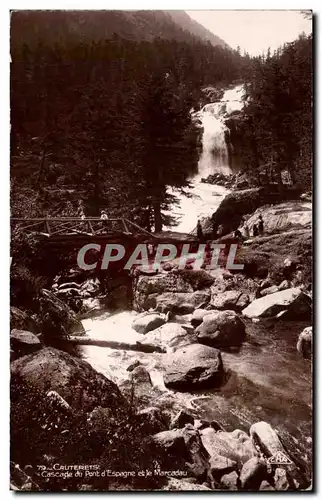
[157, 217]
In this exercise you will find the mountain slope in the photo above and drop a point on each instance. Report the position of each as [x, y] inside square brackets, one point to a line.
[184, 20]
[54, 26]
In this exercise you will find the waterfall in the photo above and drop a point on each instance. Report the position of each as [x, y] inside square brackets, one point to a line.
[204, 198]
[215, 157]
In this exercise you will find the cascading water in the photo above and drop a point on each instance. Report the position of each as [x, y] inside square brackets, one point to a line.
[205, 198]
[215, 157]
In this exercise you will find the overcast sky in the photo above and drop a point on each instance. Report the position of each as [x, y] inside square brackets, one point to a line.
[253, 30]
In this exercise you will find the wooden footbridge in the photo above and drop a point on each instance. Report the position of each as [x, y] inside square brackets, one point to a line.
[59, 228]
[77, 230]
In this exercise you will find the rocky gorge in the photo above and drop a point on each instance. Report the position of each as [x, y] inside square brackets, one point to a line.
[176, 379]
[205, 381]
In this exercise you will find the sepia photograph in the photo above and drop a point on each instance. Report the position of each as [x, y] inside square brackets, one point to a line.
[161, 279]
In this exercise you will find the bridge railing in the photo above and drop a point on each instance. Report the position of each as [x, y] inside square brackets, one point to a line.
[53, 226]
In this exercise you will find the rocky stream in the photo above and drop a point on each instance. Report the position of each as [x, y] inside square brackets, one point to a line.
[217, 364]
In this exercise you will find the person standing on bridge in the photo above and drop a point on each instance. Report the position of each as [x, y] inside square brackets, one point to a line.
[104, 215]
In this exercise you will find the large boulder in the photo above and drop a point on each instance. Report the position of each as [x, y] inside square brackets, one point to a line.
[152, 420]
[266, 438]
[221, 329]
[304, 343]
[57, 318]
[52, 396]
[23, 342]
[236, 446]
[185, 446]
[253, 472]
[194, 366]
[73, 379]
[221, 465]
[199, 279]
[230, 299]
[293, 303]
[284, 216]
[181, 419]
[146, 322]
[246, 201]
[147, 288]
[230, 481]
[182, 303]
[198, 316]
[21, 320]
[170, 337]
[270, 445]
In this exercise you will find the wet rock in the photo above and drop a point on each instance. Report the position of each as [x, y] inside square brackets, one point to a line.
[285, 216]
[23, 342]
[152, 420]
[198, 316]
[170, 336]
[221, 465]
[141, 375]
[230, 481]
[181, 303]
[181, 419]
[57, 318]
[20, 320]
[266, 438]
[281, 481]
[265, 486]
[268, 290]
[235, 445]
[242, 302]
[252, 474]
[199, 279]
[304, 343]
[246, 201]
[154, 286]
[230, 299]
[73, 379]
[294, 301]
[201, 424]
[306, 197]
[185, 444]
[146, 322]
[284, 285]
[221, 329]
[266, 283]
[193, 366]
[133, 365]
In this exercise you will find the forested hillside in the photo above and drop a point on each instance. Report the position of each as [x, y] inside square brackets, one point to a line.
[106, 124]
[55, 26]
[274, 132]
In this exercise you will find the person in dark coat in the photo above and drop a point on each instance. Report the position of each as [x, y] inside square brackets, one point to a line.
[260, 225]
[199, 231]
[255, 230]
[238, 234]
